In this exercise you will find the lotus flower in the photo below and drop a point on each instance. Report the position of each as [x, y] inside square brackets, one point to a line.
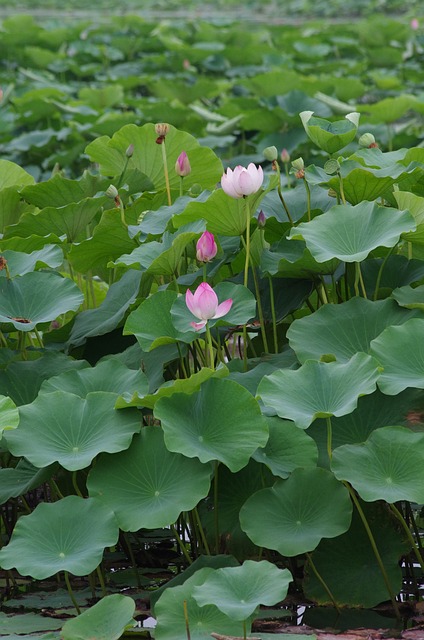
[206, 248]
[242, 182]
[203, 304]
[182, 165]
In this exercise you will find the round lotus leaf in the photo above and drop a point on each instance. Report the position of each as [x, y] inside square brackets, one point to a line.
[203, 621]
[106, 620]
[62, 427]
[222, 421]
[110, 375]
[68, 535]
[319, 389]
[327, 135]
[400, 351]
[350, 233]
[287, 448]
[388, 466]
[343, 329]
[36, 297]
[147, 486]
[238, 591]
[295, 514]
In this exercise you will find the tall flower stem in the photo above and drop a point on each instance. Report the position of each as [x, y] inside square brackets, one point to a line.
[215, 506]
[273, 315]
[409, 535]
[308, 198]
[374, 548]
[329, 439]
[380, 272]
[342, 193]
[71, 593]
[186, 620]
[181, 544]
[209, 346]
[246, 275]
[201, 531]
[259, 302]
[165, 172]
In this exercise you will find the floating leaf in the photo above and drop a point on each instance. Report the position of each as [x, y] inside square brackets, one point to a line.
[388, 466]
[68, 535]
[295, 514]
[221, 422]
[147, 485]
[319, 389]
[62, 427]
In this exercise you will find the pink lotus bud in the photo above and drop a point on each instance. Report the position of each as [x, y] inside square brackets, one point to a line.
[285, 156]
[182, 166]
[206, 248]
[203, 304]
[261, 219]
[242, 182]
[415, 25]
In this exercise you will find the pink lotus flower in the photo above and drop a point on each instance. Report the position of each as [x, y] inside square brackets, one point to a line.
[206, 248]
[203, 304]
[182, 165]
[242, 182]
[415, 24]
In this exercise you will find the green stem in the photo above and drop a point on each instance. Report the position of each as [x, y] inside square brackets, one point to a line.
[356, 283]
[75, 484]
[186, 620]
[361, 281]
[409, 535]
[122, 211]
[209, 346]
[165, 172]
[329, 439]
[244, 630]
[215, 507]
[374, 548]
[380, 272]
[308, 198]
[323, 583]
[71, 593]
[181, 186]
[201, 530]
[342, 193]
[132, 558]
[181, 544]
[182, 364]
[101, 580]
[273, 315]
[247, 245]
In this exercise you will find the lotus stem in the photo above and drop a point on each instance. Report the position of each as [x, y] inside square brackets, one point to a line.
[181, 544]
[215, 506]
[323, 583]
[342, 193]
[186, 620]
[329, 439]
[71, 593]
[273, 316]
[165, 172]
[209, 346]
[132, 558]
[409, 535]
[244, 630]
[374, 548]
[380, 272]
[201, 531]
[101, 580]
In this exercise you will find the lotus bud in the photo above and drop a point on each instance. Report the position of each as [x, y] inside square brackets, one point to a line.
[285, 156]
[112, 192]
[261, 219]
[270, 153]
[206, 248]
[415, 25]
[161, 129]
[332, 193]
[298, 164]
[130, 151]
[331, 166]
[182, 165]
[367, 140]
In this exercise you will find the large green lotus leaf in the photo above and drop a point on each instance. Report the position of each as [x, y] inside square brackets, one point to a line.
[287, 448]
[233, 491]
[147, 486]
[223, 215]
[109, 375]
[62, 427]
[12, 174]
[373, 411]
[36, 297]
[59, 191]
[295, 514]
[330, 136]
[19, 263]
[388, 466]
[110, 240]
[400, 351]
[220, 422]
[319, 389]
[413, 203]
[390, 109]
[180, 385]
[203, 621]
[106, 317]
[238, 591]
[27, 245]
[109, 153]
[242, 310]
[11, 207]
[152, 323]
[16, 481]
[22, 379]
[343, 329]
[398, 271]
[409, 297]
[68, 535]
[106, 620]
[351, 233]
[293, 260]
[348, 564]
[70, 220]
[9, 414]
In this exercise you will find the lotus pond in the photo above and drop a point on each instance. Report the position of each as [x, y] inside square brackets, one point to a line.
[211, 326]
